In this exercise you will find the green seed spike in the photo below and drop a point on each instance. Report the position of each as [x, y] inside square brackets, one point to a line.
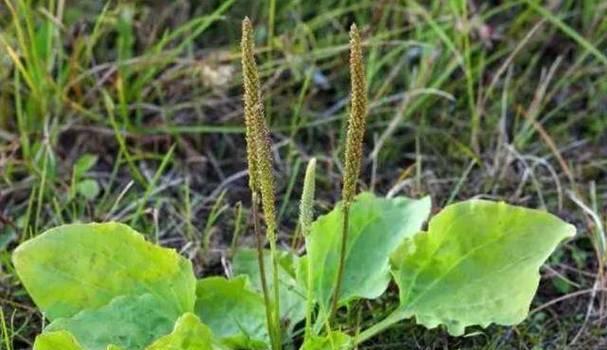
[354, 150]
[268, 204]
[252, 97]
[357, 121]
[266, 177]
[261, 178]
[306, 206]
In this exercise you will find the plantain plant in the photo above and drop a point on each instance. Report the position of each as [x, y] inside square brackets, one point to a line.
[103, 286]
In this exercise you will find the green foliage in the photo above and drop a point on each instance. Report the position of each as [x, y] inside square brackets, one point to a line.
[87, 187]
[292, 293]
[376, 227]
[131, 322]
[477, 264]
[84, 164]
[234, 313]
[56, 340]
[85, 266]
[103, 285]
[149, 58]
[189, 334]
[331, 341]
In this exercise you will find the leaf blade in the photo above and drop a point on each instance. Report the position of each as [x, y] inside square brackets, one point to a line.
[234, 313]
[333, 341]
[377, 227]
[75, 267]
[188, 334]
[477, 264]
[292, 294]
[56, 340]
[130, 322]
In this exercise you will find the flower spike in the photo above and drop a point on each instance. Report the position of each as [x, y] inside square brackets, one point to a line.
[358, 114]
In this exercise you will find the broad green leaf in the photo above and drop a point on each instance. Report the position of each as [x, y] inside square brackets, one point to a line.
[234, 313]
[189, 334]
[56, 340]
[292, 295]
[131, 322]
[477, 264]
[377, 226]
[60, 340]
[333, 341]
[84, 266]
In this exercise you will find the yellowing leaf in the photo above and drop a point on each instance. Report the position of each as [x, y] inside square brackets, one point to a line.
[189, 334]
[333, 341]
[477, 264]
[85, 266]
[60, 340]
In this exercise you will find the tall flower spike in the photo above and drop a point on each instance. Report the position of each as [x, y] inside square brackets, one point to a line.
[354, 150]
[266, 179]
[261, 178]
[358, 114]
[251, 100]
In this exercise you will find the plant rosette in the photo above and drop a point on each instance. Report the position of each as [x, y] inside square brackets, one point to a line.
[103, 286]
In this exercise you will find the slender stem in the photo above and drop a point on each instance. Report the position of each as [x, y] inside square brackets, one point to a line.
[271, 17]
[321, 321]
[309, 302]
[342, 259]
[393, 318]
[262, 271]
[276, 300]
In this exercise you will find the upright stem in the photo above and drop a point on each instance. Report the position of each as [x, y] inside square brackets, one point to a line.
[309, 302]
[342, 259]
[276, 288]
[262, 272]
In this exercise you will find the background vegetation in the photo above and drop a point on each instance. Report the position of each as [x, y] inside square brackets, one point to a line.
[131, 111]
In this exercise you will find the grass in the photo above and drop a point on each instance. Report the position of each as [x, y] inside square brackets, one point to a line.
[496, 99]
